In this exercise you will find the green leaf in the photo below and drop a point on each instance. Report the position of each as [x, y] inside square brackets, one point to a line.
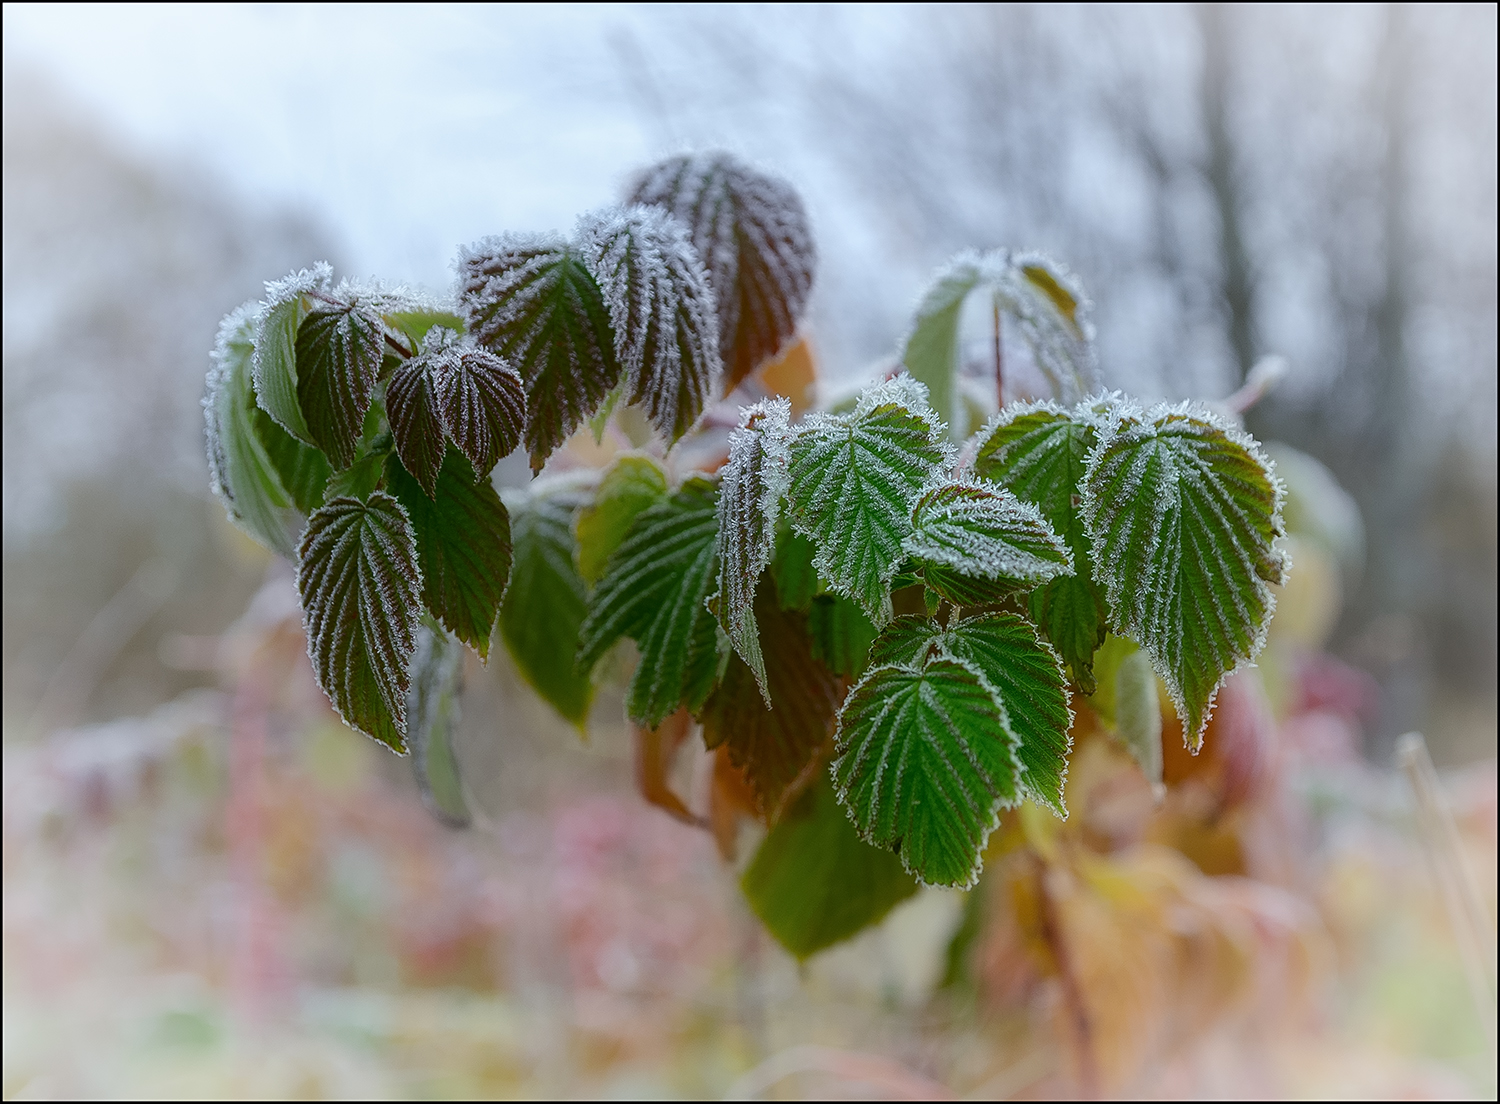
[926, 759]
[1022, 670]
[854, 479]
[965, 533]
[841, 634]
[463, 544]
[358, 577]
[631, 484]
[432, 709]
[792, 568]
[416, 322]
[547, 599]
[661, 309]
[775, 743]
[531, 300]
[813, 882]
[1044, 302]
[276, 346]
[752, 485]
[244, 475]
[751, 231]
[1182, 509]
[653, 591]
[338, 362]
[1138, 715]
[301, 469]
[1040, 451]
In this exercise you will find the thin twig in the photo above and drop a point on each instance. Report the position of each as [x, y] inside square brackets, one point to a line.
[1088, 1071]
[999, 360]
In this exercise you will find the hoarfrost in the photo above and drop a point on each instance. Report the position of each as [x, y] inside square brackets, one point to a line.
[661, 307]
[753, 482]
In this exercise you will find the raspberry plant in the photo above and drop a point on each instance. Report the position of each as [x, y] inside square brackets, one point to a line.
[879, 620]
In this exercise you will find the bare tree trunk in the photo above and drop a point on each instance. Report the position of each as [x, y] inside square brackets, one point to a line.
[1235, 291]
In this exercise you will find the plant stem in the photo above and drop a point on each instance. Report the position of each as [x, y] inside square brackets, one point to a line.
[1088, 1072]
[999, 360]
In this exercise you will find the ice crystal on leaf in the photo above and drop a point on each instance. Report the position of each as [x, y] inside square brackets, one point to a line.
[653, 591]
[1183, 510]
[977, 541]
[751, 231]
[359, 581]
[926, 760]
[662, 309]
[454, 388]
[243, 473]
[339, 349]
[1023, 671]
[1039, 451]
[530, 299]
[286, 305]
[853, 480]
[752, 485]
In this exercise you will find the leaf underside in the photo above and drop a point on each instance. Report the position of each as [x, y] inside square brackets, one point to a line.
[813, 882]
[653, 591]
[926, 759]
[1040, 453]
[463, 545]
[547, 599]
[775, 746]
[338, 362]
[531, 300]
[752, 484]
[359, 581]
[853, 481]
[1183, 511]
[661, 309]
[1023, 672]
[302, 470]
[752, 232]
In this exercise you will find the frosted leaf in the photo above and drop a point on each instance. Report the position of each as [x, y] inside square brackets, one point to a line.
[242, 473]
[339, 350]
[432, 711]
[752, 484]
[531, 300]
[653, 591]
[1024, 672]
[661, 307]
[1043, 300]
[751, 231]
[926, 760]
[455, 387]
[982, 533]
[1183, 510]
[359, 581]
[286, 304]
[463, 546]
[853, 480]
[1039, 451]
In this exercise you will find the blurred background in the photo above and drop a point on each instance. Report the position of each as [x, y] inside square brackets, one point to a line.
[231, 910]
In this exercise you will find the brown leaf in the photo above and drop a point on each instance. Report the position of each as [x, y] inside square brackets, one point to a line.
[730, 800]
[655, 750]
[780, 748]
